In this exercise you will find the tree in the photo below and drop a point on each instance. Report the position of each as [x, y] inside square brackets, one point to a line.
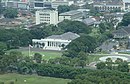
[102, 77]
[3, 48]
[74, 26]
[74, 62]
[73, 7]
[82, 55]
[119, 60]
[82, 63]
[17, 55]
[101, 65]
[63, 8]
[83, 43]
[125, 20]
[123, 67]
[0, 7]
[108, 60]
[38, 57]
[10, 13]
[109, 63]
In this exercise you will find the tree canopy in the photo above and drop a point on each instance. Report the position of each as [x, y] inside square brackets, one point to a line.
[102, 77]
[63, 8]
[126, 19]
[83, 43]
[10, 13]
[74, 26]
[66, 8]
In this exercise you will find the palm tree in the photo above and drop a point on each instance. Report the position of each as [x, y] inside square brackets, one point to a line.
[109, 60]
[119, 60]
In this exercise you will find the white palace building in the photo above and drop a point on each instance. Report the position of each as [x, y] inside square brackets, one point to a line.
[55, 42]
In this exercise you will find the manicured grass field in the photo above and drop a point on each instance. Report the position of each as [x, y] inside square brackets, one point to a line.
[31, 79]
[54, 54]
[46, 54]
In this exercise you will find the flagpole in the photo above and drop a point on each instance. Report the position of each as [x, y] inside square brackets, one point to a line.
[29, 51]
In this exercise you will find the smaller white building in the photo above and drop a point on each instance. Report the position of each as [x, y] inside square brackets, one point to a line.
[55, 42]
[47, 16]
[70, 15]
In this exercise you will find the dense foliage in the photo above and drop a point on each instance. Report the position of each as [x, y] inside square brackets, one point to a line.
[1, 8]
[66, 8]
[60, 71]
[126, 19]
[74, 26]
[102, 77]
[10, 13]
[83, 43]
[119, 65]
[15, 37]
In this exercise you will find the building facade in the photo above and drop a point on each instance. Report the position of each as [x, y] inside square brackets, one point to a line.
[71, 15]
[20, 4]
[47, 16]
[55, 42]
[35, 4]
[124, 32]
[127, 4]
[56, 3]
[109, 5]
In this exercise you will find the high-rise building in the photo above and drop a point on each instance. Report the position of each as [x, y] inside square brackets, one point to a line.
[47, 16]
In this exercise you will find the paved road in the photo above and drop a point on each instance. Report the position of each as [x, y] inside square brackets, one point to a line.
[93, 64]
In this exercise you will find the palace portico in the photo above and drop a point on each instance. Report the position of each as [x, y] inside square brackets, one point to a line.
[55, 42]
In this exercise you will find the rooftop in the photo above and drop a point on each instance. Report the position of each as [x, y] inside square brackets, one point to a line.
[89, 21]
[108, 2]
[73, 12]
[9, 20]
[65, 36]
[124, 30]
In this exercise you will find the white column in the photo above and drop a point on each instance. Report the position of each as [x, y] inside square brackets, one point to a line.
[56, 44]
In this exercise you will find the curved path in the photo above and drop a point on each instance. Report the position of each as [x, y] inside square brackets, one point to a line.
[93, 64]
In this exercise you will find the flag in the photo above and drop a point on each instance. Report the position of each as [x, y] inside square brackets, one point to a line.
[30, 46]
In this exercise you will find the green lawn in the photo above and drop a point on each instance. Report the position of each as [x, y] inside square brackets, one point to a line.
[31, 79]
[46, 54]
[93, 58]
